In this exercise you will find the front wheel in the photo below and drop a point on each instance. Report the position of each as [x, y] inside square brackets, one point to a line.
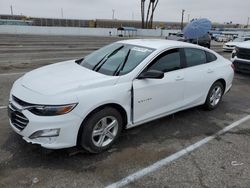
[101, 130]
[214, 96]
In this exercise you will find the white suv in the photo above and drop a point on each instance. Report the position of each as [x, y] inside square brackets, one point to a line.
[241, 57]
[88, 102]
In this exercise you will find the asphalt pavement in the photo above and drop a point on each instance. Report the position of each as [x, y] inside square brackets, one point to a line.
[222, 162]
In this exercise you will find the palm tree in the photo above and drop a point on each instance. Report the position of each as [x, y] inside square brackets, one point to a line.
[149, 19]
[142, 13]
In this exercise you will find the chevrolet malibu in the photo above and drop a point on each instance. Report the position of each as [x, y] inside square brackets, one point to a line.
[89, 101]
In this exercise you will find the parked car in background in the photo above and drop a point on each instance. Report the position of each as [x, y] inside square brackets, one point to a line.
[176, 36]
[88, 102]
[221, 38]
[202, 41]
[229, 46]
[241, 57]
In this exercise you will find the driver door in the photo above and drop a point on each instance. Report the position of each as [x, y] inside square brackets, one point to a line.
[156, 97]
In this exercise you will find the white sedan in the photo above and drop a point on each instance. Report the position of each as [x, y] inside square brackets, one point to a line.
[230, 46]
[87, 102]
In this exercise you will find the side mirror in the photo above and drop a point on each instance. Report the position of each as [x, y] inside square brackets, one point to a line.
[153, 74]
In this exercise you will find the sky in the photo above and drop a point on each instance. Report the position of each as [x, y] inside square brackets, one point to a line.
[168, 10]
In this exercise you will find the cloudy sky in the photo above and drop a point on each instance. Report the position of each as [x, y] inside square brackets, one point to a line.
[221, 11]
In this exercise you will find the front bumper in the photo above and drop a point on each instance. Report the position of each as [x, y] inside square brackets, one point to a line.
[68, 126]
[241, 65]
[228, 49]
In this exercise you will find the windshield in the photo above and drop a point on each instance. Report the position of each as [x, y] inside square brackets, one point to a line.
[238, 40]
[116, 59]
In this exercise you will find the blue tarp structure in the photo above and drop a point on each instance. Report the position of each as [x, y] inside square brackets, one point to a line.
[197, 28]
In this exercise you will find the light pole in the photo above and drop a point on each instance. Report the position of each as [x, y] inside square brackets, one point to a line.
[113, 14]
[62, 13]
[248, 21]
[182, 17]
[11, 10]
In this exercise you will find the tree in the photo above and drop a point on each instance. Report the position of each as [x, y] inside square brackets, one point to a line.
[150, 16]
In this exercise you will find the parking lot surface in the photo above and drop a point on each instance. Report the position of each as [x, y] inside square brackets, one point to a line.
[223, 162]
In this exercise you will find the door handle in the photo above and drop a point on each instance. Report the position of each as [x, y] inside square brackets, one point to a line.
[179, 78]
[210, 71]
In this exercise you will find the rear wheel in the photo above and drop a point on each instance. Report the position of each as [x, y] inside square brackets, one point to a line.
[214, 96]
[101, 130]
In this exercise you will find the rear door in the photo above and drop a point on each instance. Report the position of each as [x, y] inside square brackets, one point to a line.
[155, 97]
[195, 73]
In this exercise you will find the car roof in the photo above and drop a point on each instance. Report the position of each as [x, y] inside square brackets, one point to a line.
[157, 43]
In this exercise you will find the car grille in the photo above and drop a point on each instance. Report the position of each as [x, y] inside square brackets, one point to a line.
[243, 53]
[17, 118]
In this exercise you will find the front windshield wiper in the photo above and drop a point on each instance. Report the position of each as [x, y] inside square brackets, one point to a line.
[121, 66]
[105, 58]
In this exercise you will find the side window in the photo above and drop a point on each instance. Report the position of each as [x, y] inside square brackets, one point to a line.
[210, 57]
[167, 61]
[195, 57]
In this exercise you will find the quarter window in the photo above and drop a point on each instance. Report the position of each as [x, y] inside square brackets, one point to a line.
[195, 57]
[167, 61]
[210, 57]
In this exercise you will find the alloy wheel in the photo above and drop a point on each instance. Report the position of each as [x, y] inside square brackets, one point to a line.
[216, 96]
[105, 131]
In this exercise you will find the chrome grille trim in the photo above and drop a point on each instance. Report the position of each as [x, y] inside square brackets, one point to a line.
[17, 118]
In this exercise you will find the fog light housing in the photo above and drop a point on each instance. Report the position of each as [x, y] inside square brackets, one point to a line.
[45, 133]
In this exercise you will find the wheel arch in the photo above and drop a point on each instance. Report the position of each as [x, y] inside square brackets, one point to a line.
[116, 106]
[223, 82]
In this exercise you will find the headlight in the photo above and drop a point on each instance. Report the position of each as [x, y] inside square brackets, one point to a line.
[235, 51]
[47, 110]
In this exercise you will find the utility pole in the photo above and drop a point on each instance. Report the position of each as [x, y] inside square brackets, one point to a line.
[11, 11]
[248, 19]
[188, 18]
[62, 13]
[182, 17]
[113, 14]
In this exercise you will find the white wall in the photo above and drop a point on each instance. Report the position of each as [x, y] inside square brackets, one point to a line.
[84, 31]
[37, 30]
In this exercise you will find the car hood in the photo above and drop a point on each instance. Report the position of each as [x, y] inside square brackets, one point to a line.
[244, 45]
[64, 77]
[232, 43]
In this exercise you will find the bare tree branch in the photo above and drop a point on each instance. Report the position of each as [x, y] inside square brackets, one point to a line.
[147, 19]
[155, 3]
[143, 13]
[150, 16]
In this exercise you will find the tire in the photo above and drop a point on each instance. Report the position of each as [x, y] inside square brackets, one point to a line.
[214, 96]
[107, 125]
